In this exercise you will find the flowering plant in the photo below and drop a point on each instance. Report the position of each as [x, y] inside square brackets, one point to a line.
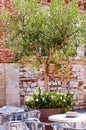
[50, 100]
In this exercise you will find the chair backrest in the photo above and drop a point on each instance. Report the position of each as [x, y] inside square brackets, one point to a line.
[18, 116]
[34, 114]
[25, 118]
[25, 115]
[32, 123]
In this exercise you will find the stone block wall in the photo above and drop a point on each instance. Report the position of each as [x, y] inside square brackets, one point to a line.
[79, 84]
[30, 82]
[17, 83]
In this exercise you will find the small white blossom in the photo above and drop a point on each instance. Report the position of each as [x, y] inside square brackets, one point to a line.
[29, 98]
[37, 100]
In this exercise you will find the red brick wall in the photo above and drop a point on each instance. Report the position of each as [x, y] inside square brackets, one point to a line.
[5, 54]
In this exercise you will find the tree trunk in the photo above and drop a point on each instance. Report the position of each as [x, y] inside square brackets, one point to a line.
[46, 76]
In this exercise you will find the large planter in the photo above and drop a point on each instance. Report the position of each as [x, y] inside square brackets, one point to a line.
[45, 113]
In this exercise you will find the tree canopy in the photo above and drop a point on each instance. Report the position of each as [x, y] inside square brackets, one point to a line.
[49, 34]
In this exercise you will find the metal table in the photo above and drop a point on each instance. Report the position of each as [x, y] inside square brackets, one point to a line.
[70, 122]
[11, 109]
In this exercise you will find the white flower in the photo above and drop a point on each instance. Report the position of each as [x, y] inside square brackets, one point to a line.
[43, 98]
[29, 98]
[37, 100]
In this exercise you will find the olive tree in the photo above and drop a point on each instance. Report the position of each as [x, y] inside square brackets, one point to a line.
[48, 34]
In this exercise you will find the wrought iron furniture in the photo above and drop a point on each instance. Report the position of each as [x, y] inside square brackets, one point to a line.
[5, 115]
[18, 120]
[70, 123]
[36, 124]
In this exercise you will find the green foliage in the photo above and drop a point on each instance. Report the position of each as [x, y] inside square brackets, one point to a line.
[54, 32]
[48, 31]
[51, 100]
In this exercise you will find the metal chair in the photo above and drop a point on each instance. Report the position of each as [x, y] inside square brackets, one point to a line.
[34, 114]
[18, 120]
[36, 124]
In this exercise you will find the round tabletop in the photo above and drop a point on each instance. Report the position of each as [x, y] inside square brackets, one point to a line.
[63, 118]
